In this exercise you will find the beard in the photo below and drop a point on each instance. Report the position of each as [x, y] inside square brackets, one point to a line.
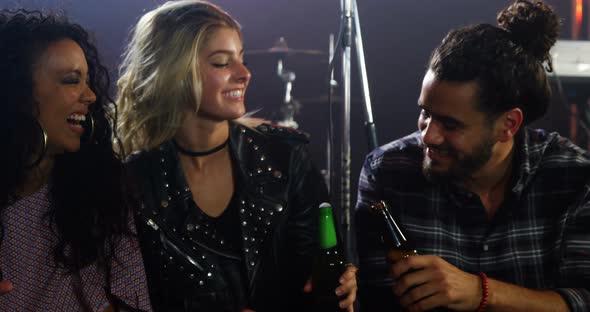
[461, 166]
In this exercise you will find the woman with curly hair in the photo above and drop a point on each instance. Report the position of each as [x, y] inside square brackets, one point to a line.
[65, 236]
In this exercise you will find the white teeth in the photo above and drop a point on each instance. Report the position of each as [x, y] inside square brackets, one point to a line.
[77, 117]
[439, 152]
[233, 93]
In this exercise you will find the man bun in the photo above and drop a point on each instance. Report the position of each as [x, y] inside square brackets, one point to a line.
[533, 25]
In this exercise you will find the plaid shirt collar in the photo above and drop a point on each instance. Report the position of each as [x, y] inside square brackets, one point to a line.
[528, 159]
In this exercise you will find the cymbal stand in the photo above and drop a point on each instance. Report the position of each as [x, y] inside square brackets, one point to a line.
[290, 106]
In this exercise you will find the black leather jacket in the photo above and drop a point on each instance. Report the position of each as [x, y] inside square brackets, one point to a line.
[278, 195]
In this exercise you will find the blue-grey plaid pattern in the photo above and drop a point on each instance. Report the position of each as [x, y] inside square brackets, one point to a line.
[539, 238]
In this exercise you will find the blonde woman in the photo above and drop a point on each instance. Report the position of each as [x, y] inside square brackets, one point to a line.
[228, 217]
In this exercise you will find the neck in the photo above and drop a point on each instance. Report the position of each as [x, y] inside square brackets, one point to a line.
[495, 173]
[198, 134]
[490, 183]
[37, 177]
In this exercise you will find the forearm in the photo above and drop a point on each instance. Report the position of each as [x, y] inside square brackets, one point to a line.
[508, 297]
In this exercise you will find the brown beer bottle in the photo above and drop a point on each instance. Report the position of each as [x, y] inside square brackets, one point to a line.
[400, 246]
[328, 264]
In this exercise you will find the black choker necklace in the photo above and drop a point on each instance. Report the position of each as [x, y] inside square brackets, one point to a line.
[204, 153]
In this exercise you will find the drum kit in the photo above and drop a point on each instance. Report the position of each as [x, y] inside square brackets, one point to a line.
[289, 106]
[349, 38]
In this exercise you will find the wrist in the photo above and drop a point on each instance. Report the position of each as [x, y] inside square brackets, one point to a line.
[484, 286]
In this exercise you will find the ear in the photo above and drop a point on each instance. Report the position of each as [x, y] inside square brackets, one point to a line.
[509, 124]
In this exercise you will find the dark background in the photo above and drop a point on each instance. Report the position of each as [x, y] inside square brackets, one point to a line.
[398, 37]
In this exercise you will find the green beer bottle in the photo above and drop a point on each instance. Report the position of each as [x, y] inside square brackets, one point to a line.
[328, 264]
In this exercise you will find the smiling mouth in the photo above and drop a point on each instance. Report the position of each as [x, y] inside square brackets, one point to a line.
[437, 152]
[236, 94]
[438, 155]
[75, 120]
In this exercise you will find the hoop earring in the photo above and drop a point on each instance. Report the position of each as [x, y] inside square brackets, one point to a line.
[43, 149]
[89, 127]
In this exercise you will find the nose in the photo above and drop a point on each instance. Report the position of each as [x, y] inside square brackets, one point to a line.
[241, 73]
[88, 96]
[431, 132]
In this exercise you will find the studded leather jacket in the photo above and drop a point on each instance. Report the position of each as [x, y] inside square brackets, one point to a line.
[277, 193]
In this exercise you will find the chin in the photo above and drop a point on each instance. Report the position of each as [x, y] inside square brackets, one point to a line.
[74, 150]
[237, 113]
[240, 115]
[72, 147]
[221, 116]
[432, 173]
[435, 176]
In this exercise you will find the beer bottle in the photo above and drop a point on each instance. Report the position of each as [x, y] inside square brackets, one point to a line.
[398, 244]
[393, 236]
[328, 264]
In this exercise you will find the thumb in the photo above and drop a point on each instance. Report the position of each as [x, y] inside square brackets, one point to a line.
[5, 287]
[308, 287]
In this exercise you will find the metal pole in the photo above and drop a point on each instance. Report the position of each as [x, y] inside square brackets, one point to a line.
[349, 11]
[360, 52]
[345, 150]
[328, 174]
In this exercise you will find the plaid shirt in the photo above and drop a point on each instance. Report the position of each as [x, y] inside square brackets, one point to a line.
[539, 237]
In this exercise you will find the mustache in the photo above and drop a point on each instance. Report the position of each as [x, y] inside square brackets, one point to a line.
[443, 148]
[439, 148]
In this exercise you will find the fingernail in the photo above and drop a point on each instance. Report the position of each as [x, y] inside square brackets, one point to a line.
[341, 280]
[338, 292]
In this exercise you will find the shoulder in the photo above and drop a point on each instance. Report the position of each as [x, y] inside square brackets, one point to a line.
[137, 158]
[555, 165]
[264, 149]
[553, 150]
[138, 165]
[142, 162]
[283, 134]
[272, 133]
[406, 152]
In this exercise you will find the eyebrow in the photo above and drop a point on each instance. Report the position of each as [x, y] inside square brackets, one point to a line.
[74, 71]
[230, 52]
[442, 118]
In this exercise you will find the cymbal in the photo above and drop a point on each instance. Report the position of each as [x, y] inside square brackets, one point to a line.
[284, 51]
[324, 99]
[280, 48]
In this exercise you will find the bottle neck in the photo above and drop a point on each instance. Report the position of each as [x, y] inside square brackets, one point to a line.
[327, 230]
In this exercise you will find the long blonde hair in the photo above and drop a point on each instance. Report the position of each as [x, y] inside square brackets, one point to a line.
[159, 76]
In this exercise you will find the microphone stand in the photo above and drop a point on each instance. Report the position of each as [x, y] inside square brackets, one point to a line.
[350, 13]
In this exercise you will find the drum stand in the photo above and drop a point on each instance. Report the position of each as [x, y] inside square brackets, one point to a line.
[290, 106]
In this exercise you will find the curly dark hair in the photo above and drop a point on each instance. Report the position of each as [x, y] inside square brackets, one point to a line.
[89, 212]
[507, 62]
